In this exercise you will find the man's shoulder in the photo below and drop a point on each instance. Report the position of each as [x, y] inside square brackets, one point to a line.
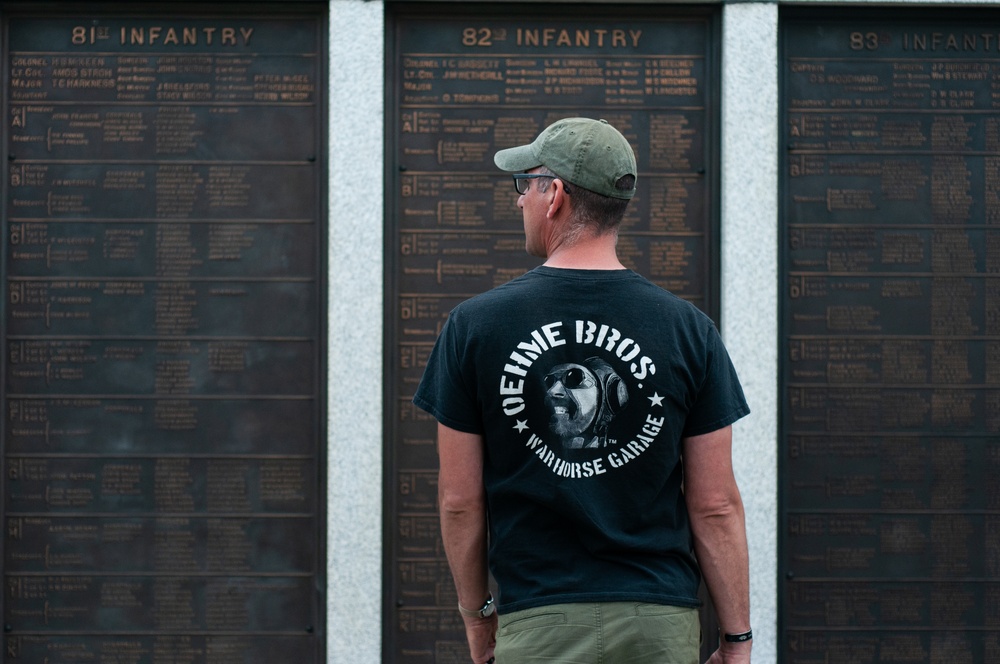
[503, 294]
[622, 291]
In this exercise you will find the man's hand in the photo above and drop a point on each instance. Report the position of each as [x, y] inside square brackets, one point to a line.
[731, 653]
[482, 636]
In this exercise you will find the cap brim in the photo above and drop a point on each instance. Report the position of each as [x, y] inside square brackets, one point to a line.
[516, 160]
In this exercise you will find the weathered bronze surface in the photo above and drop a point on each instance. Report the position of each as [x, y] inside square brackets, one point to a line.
[161, 438]
[890, 508]
[464, 87]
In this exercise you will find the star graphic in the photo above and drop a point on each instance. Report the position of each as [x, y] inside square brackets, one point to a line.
[521, 425]
[655, 400]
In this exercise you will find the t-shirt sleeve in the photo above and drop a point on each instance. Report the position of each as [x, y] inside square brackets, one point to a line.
[720, 400]
[446, 389]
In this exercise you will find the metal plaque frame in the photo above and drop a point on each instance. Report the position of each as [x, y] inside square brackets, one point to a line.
[164, 331]
[890, 336]
[462, 82]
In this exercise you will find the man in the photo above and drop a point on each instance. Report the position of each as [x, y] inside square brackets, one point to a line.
[597, 550]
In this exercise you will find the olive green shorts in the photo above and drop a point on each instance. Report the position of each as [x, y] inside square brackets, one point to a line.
[600, 633]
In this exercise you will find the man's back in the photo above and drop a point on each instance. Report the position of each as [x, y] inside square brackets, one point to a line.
[585, 383]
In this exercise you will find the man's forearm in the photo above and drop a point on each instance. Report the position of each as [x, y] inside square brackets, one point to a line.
[463, 531]
[462, 506]
[462, 501]
[719, 531]
[721, 548]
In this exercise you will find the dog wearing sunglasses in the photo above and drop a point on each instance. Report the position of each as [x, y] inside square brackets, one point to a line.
[582, 400]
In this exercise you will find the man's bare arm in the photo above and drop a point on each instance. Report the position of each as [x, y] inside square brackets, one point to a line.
[462, 504]
[719, 529]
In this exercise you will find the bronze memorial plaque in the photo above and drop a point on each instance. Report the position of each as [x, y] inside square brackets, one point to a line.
[890, 499]
[464, 87]
[162, 496]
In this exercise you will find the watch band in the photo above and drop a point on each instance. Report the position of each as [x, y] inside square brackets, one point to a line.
[738, 638]
[485, 612]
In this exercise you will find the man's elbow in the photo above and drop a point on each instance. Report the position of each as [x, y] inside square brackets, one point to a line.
[456, 503]
[723, 505]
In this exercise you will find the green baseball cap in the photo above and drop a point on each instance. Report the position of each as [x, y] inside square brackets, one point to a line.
[588, 153]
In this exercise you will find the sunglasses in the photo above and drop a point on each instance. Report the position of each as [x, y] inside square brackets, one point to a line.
[573, 378]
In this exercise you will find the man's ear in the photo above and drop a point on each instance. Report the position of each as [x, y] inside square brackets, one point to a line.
[559, 198]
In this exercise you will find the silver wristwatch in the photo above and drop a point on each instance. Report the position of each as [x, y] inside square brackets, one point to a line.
[489, 608]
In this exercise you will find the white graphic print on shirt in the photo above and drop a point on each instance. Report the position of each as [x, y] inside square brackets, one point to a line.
[566, 404]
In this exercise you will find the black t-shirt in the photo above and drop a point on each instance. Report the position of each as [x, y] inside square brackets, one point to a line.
[582, 384]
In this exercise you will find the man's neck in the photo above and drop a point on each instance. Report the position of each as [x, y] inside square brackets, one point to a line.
[590, 253]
